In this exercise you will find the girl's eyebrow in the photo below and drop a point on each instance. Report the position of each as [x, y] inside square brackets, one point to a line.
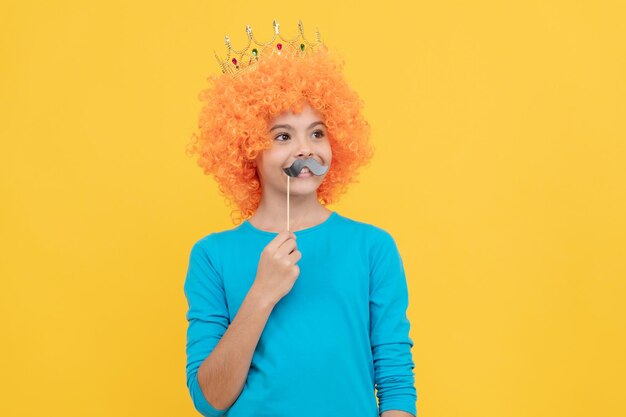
[291, 127]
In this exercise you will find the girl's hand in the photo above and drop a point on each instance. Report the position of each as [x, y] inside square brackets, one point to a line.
[277, 270]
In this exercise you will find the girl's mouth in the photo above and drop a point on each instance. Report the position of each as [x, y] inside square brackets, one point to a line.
[305, 173]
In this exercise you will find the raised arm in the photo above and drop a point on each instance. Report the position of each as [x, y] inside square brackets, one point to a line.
[218, 353]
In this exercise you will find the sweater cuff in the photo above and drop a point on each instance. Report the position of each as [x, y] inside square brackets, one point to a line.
[399, 404]
[200, 402]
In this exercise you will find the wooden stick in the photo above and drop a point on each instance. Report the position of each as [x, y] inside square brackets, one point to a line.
[287, 202]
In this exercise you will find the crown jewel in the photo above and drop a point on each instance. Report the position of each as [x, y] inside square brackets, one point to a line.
[240, 61]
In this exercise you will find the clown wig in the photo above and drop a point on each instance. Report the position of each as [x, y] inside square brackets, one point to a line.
[235, 117]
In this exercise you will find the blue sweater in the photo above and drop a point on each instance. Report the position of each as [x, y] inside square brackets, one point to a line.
[334, 344]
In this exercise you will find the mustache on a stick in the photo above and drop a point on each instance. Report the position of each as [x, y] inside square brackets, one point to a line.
[315, 167]
[312, 164]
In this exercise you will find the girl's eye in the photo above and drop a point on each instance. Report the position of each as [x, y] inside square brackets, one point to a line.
[321, 133]
[281, 135]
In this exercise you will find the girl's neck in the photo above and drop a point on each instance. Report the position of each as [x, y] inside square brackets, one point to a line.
[274, 218]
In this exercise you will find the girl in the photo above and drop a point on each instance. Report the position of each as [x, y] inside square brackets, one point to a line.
[305, 318]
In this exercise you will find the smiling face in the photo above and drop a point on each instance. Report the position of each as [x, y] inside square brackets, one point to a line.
[294, 136]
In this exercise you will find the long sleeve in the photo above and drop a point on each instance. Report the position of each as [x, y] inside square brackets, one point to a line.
[208, 320]
[389, 329]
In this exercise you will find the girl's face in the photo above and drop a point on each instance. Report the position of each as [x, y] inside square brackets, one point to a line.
[294, 137]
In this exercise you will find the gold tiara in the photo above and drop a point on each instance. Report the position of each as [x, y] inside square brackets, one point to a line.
[240, 61]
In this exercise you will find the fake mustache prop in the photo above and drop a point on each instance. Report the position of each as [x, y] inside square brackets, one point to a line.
[295, 169]
[312, 164]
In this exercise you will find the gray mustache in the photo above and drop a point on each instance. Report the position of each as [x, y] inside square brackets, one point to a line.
[312, 164]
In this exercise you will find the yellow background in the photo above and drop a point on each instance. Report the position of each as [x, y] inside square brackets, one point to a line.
[500, 170]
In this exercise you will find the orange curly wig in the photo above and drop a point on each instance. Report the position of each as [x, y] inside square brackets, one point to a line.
[234, 121]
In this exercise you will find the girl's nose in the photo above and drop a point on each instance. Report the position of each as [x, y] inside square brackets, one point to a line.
[304, 147]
